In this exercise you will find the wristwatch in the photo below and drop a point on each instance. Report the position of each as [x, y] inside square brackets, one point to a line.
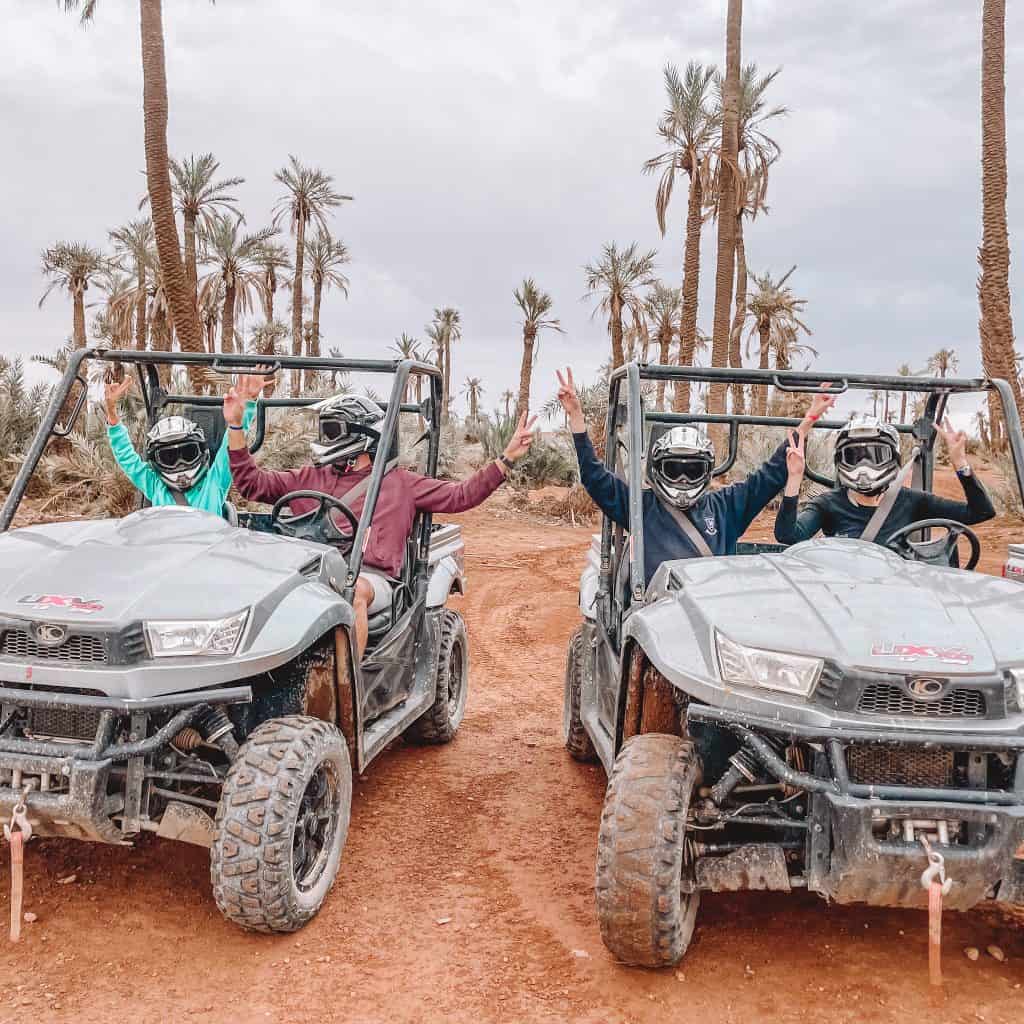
[965, 471]
[506, 461]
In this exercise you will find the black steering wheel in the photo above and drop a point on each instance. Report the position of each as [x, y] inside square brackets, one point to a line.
[942, 551]
[318, 524]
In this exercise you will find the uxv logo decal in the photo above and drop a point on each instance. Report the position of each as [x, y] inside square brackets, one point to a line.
[63, 602]
[919, 652]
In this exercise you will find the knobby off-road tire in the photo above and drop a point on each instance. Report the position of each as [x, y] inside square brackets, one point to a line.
[441, 721]
[645, 917]
[577, 742]
[281, 824]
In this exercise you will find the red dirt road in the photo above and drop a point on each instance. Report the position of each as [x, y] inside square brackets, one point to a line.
[493, 835]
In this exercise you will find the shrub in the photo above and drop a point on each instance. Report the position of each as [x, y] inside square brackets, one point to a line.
[547, 462]
[1005, 494]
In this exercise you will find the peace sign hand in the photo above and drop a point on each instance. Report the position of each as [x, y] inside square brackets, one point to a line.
[570, 401]
[956, 443]
[796, 463]
[521, 440]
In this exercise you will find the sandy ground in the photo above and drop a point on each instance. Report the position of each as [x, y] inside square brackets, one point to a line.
[466, 889]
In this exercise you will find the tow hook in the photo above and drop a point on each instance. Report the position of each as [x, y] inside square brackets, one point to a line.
[937, 885]
[17, 832]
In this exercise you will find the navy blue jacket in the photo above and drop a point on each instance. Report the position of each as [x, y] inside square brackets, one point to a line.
[722, 516]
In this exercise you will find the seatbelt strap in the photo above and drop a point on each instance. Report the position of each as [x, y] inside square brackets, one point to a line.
[693, 535]
[363, 486]
[885, 506]
[179, 498]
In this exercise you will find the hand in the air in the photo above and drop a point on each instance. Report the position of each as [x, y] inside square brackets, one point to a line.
[821, 403]
[956, 443]
[113, 392]
[796, 462]
[234, 406]
[521, 440]
[250, 386]
[570, 401]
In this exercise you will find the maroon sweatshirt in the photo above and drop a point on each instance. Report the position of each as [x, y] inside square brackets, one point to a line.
[402, 495]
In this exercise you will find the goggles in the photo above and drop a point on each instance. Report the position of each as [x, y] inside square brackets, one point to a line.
[677, 470]
[174, 456]
[876, 454]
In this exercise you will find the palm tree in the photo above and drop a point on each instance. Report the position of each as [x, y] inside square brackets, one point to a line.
[407, 347]
[269, 339]
[688, 127]
[272, 258]
[309, 195]
[757, 151]
[507, 398]
[234, 257]
[114, 323]
[996, 324]
[535, 306]
[943, 362]
[211, 302]
[981, 424]
[449, 324]
[904, 371]
[727, 198]
[326, 256]
[197, 195]
[180, 296]
[661, 306]
[72, 267]
[615, 278]
[134, 242]
[436, 338]
[776, 312]
[473, 390]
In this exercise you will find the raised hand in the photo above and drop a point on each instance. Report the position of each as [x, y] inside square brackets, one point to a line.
[234, 406]
[570, 401]
[250, 386]
[796, 462]
[521, 440]
[821, 403]
[113, 392]
[956, 443]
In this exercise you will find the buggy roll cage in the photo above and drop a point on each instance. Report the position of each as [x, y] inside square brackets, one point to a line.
[156, 399]
[625, 385]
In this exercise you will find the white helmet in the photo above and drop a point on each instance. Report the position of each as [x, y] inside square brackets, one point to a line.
[867, 454]
[349, 425]
[178, 451]
[680, 464]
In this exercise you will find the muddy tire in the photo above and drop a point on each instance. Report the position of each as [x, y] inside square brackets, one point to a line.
[441, 721]
[281, 824]
[574, 735]
[646, 919]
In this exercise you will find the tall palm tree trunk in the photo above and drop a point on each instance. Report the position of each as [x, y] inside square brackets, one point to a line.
[180, 297]
[160, 335]
[191, 273]
[615, 325]
[140, 308]
[211, 336]
[903, 407]
[227, 317]
[996, 322]
[314, 334]
[525, 373]
[300, 247]
[764, 333]
[446, 411]
[727, 201]
[739, 316]
[664, 351]
[78, 317]
[691, 285]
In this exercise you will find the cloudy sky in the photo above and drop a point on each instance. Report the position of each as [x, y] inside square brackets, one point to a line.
[484, 144]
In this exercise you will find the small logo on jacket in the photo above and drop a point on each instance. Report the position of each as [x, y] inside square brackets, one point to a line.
[710, 526]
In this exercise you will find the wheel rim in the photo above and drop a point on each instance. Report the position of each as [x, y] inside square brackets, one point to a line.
[455, 670]
[315, 827]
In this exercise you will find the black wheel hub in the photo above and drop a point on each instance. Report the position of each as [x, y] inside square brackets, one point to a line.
[455, 673]
[315, 827]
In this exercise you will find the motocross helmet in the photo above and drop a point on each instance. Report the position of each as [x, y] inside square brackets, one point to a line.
[348, 426]
[176, 448]
[680, 464]
[867, 454]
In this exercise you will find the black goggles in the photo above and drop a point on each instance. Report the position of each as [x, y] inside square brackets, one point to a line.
[683, 471]
[875, 454]
[333, 430]
[173, 456]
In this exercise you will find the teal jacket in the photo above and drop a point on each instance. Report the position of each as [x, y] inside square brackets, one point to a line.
[209, 494]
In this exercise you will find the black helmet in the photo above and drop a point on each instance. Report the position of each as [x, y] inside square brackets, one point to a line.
[349, 425]
[867, 454]
[178, 451]
[680, 464]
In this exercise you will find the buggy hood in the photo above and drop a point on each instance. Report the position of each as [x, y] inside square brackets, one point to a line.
[860, 605]
[158, 563]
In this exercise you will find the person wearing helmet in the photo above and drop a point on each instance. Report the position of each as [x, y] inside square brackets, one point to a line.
[348, 435]
[679, 470]
[867, 461]
[177, 468]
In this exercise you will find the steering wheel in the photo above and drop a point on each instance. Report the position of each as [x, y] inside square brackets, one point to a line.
[942, 551]
[318, 524]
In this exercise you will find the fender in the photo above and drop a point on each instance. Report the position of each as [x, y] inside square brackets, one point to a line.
[445, 577]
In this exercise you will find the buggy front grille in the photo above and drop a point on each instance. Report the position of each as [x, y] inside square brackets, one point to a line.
[63, 723]
[886, 699]
[873, 765]
[80, 648]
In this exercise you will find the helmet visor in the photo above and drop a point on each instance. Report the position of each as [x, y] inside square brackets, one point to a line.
[173, 456]
[333, 430]
[874, 454]
[676, 470]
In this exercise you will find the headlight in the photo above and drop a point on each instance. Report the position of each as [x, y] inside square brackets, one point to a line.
[1018, 686]
[749, 666]
[180, 637]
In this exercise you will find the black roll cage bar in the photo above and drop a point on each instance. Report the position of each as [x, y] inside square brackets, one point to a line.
[625, 383]
[155, 399]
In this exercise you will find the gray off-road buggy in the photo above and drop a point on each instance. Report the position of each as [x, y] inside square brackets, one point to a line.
[817, 717]
[193, 676]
